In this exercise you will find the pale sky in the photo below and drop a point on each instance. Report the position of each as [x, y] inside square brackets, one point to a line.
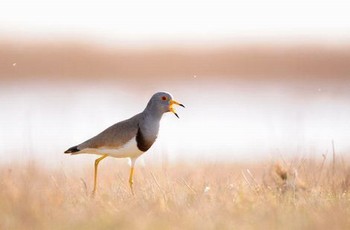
[170, 20]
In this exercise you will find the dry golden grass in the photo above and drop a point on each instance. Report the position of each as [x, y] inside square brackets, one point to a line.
[300, 194]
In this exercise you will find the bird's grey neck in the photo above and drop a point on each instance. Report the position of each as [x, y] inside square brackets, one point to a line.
[148, 129]
[151, 113]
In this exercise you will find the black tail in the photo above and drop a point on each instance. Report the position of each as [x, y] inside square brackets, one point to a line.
[73, 149]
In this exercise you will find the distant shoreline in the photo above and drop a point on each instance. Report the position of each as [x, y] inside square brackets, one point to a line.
[67, 61]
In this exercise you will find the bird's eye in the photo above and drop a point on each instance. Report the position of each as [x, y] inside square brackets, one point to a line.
[164, 98]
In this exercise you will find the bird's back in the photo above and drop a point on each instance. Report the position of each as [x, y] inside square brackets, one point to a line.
[113, 137]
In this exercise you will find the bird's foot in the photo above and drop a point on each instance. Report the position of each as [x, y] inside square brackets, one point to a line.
[131, 187]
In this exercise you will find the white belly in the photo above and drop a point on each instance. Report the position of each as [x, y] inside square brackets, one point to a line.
[128, 150]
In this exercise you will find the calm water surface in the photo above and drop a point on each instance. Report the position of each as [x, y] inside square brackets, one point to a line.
[222, 120]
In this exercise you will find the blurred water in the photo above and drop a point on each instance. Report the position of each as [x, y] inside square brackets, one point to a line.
[229, 121]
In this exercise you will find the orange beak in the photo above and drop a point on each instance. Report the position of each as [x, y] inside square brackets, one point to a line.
[171, 106]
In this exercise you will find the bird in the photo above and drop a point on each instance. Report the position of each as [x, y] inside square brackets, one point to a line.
[129, 138]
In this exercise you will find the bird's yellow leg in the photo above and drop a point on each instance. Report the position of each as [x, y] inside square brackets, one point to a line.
[95, 175]
[131, 182]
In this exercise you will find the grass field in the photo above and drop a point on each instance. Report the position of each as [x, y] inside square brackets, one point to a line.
[297, 194]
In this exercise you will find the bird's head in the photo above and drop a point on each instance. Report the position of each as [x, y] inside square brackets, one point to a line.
[163, 102]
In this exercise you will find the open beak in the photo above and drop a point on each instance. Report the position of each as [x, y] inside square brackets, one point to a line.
[171, 107]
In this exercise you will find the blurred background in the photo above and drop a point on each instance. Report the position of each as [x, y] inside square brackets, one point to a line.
[260, 79]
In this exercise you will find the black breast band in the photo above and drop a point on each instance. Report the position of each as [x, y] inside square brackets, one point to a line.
[142, 143]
